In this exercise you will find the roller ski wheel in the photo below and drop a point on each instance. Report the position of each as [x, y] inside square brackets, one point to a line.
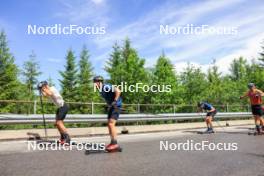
[119, 149]
[256, 133]
[206, 132]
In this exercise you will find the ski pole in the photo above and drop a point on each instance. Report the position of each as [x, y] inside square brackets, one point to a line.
[43, 116]
[218, 123]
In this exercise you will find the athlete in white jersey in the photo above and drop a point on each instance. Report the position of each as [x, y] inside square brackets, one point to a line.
[53, 94]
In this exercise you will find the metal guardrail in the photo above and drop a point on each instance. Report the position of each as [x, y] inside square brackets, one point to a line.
[81, 118]
[33, 107]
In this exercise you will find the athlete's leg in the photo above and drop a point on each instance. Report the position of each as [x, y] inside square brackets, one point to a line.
[208, 121]
[113, 115]
[60, 126]
[210, 124]
[112, 129]
[261, 121]
[257, 122]
[113, 135]
[55, 125]
[60, 116]
[261, 124]
[63, 131]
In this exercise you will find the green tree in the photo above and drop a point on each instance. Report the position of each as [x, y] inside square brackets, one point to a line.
[10, 87]
[238, 80]
[126, 66]
[214, 93]
[69, 78]
[164, 74]
[30, 73]
[85, 84]
[134, 73]
[238, 69]
[115, 66]
[194, 84]
[255, 74]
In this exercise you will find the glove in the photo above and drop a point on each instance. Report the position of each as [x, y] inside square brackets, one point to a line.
[114, 103]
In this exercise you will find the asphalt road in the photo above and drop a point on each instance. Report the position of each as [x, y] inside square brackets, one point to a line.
[142, 156]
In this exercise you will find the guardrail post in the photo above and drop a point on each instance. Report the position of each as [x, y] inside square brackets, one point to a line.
[174, 109]
[35, 107]
[138, 108]
[92, 107]
[248, 108]
[227, 109]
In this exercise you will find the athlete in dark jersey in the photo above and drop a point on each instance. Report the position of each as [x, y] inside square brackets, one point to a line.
[112, 97]
[211, 112]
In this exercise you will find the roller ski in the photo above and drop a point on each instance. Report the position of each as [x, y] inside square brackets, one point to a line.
[33, 136]
[64, 140]
[111, 148]
[208, 131]
[256, 132]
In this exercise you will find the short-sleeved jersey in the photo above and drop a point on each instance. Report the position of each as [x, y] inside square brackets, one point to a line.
[108, 93]
[56, 97]
[255, 97]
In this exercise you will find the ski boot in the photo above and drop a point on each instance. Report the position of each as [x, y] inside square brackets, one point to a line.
[112, 148]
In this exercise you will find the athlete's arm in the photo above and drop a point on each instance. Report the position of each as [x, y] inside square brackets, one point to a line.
[117, 93]
[245, 95]
[212, 110]
[209, 106]
[260, 92]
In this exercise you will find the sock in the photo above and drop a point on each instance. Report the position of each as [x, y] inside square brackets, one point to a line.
[258, 128]
[113, 141]
[61, 136]
[66, 136]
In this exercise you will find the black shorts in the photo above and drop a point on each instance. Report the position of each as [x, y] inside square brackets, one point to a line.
[113, 112]
[62, 112]
[212, 114]
[257, 110]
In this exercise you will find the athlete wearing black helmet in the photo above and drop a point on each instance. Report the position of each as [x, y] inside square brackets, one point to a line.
[112, 97]
[42, 84]
[98, 79]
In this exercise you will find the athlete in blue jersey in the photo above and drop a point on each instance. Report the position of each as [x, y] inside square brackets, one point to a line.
[112, 97]
[211, 112]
